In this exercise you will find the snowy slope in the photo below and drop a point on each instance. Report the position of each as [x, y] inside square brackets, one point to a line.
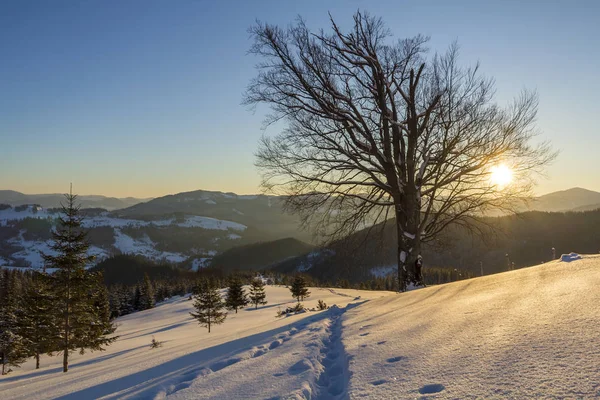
[250, 343]
[530, 333]
[21, 251]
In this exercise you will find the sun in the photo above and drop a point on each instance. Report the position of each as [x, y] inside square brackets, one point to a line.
[501, 175]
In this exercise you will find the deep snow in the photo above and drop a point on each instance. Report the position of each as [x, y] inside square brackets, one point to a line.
[529, 333]
[268, 356]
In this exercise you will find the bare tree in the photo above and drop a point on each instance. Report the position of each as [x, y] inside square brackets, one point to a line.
[377, 128]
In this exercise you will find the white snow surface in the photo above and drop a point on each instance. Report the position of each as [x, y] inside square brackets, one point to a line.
[528, 333]
[266, 355]
[190, 221]
[570, 257]
[144, 246]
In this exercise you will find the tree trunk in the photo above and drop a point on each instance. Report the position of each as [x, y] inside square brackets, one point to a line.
[402, 252]
[65, 360]
[37, 360]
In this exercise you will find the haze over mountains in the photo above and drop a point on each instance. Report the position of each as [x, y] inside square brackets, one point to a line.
[51, 200]
[245, 231]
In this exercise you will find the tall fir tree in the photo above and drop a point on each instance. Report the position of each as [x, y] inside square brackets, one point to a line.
[13, 350]
[236, 295]
[37, 320]
[137, 298]
[209, 306]
[102, 324]
[299, 289]
[74, 286]
[146, 300]
[257, 293]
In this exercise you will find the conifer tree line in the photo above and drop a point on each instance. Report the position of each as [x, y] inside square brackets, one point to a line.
[61, 312]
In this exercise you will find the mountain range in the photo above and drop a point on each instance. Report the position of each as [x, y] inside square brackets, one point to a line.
[53, 200]
[202, 228]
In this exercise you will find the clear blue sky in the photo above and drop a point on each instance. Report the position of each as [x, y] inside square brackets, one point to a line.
[142, 98]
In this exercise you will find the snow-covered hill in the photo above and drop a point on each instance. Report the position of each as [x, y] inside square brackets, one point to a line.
[25, 232]
[530, 333]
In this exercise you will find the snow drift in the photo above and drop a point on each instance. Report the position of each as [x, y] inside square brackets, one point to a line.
[529, 333]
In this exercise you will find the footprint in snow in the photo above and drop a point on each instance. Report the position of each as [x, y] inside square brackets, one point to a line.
[432, 388]
[395, 359]
[364, 334]
[277, 375]
[382, 342]
[299, 367]
[379, 382]
[275, 344]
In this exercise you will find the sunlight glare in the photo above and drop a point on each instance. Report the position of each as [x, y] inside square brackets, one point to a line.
[501, 175]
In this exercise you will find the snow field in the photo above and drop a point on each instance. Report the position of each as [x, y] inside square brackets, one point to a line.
[252, 355]
[529, 333]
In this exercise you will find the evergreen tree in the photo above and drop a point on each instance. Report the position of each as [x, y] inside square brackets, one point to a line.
[209, 306]
[102, 324]
[236, 295]
[146, 300]
[13, 351]
[38, 322]
[73, 286]
[137, 298]
[299, 289]
[257, 293]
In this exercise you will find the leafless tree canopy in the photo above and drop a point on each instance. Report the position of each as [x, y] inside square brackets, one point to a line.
[379, 128]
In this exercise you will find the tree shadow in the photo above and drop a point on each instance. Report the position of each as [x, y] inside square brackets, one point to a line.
[251, 308]
[47, 371]
[187, 367]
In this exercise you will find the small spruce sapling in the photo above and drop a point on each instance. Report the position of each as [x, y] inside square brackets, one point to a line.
[257, 293]
[299, 289]
[236, 296]
[209, 306]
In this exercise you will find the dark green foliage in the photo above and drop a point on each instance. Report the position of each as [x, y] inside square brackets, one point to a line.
[146, 299]
[76, 290]
[257, 293]
[259, 256]
[129, 270]
[13, 349]
[321, 305]
[209, 306]
[236, 296]
[35, 228]
[299, 289]
[37, 317]
[102, 236]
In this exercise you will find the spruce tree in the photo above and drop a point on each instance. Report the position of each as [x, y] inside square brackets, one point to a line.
[299, 289]
[102, 324]
[137, 298]
[236, 296]
[74, 287]
[209, 306]
[38, 322]
[257, 293]
[146, 300]
[13, 351]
